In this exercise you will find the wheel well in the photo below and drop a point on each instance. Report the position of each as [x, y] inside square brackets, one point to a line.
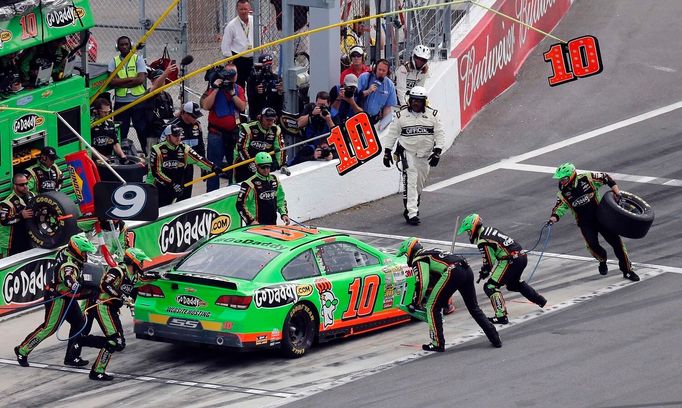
[317, 318]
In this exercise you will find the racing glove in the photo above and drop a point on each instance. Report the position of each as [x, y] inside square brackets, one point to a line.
[482, 274]
[435, 157]
[127, 300]
[285, 170]
[177, 188]
[388, 159]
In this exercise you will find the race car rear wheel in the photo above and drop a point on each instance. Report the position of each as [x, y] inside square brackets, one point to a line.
[630, 217]
[298, 333]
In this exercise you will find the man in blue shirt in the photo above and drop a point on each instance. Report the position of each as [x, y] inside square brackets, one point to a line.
[378, 91]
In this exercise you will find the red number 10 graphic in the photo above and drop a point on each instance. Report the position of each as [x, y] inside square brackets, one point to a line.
[579, 58]
[364, 143]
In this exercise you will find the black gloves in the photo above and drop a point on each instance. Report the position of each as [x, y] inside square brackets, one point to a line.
[482, 274]
[435, 157]
[388, 158]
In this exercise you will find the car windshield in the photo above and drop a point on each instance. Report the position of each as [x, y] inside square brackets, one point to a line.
[232, 261]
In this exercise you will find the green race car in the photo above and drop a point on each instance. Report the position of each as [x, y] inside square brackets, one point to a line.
[274, 286]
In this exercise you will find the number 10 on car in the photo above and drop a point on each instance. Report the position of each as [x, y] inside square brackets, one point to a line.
[579, 58]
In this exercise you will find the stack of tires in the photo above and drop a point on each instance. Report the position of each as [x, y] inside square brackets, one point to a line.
[133, 169]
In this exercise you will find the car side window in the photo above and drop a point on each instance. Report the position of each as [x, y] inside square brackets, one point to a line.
[342, 257]
[303, 266]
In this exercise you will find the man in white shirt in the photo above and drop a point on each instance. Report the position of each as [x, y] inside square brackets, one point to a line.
[238, 37]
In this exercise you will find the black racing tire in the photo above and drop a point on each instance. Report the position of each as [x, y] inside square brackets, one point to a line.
[631, 217]
[55, 220]
[299, 331]
[133, 170]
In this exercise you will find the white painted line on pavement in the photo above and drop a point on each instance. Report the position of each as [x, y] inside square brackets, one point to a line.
[555, 146]
[533, 168]
[663, 268]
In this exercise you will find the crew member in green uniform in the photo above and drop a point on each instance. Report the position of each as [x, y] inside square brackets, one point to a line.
[45, 176]
[261, 197]
[14, 212]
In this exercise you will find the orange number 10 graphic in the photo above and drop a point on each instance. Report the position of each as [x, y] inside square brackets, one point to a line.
[579, 58]
[361, 145]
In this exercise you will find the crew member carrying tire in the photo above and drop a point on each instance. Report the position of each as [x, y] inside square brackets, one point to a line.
[455, 274]
[502, 256]
[579, 192]
[261, 197]
[167, 162]
[418, 130]
[112, 296]
[61, 294]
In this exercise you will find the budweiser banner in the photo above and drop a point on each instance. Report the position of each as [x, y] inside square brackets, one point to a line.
[492, 53]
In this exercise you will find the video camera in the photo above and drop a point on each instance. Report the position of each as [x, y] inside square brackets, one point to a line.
[227, 75]
[263, 75]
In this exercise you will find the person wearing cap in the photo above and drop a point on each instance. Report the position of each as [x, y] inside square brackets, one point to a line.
[265, 88]
[14, 213]
[346, 97]
[167, 162]
[104, 137]
[62, 291]
[45, 175]
[261, 135]
[579, 193]
[419, 131]
[224, 105]
[187, 119]
[413, 73]
[357, 63]
[261, 197]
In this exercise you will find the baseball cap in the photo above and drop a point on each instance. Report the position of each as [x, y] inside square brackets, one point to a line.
[193, 109]
[49, 151]
[356, 50]
[172, 130]
[350, 80]
[268, 113]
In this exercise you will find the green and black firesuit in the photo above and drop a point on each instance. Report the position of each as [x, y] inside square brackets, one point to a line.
[104, 137]
[504, 257]
[42, 179]
[580, 194]
[13, 227]
[115, 290]
[61, 294]
[253, 138]
[167, 167]
[260, 199]
[454, 274]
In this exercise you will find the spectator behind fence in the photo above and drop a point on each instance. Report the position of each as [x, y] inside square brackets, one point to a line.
[412, 73]
[378, 91]
[261, 135]
[316, 118]
[188, 120]
[224, 100]
[265, 88]
[237, 38]
[129, 85]
[357, 63]
[346, 97]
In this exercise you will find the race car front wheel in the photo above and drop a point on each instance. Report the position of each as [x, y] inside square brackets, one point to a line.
[298, 333]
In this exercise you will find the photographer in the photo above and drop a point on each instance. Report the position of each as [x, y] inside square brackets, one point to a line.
[264, 88]
[14, 211]
[316, 118]
[346, 102]
[224, 100]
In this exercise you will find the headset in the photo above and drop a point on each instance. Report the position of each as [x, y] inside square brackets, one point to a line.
[381, 61]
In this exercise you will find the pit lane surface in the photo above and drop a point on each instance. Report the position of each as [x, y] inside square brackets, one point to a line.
[528, 116]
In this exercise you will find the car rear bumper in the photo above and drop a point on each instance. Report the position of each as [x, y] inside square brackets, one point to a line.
[164, 333]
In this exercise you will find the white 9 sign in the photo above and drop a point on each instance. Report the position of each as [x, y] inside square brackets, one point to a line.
[127, 201]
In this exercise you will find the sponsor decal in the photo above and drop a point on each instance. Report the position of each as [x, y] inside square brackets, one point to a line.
[27, 123]
[26, 284]
[172, 164]
[77, 182]
[275, 296]
[190, 301]
[416, 130]
[304, 290]
[64, 16]
[25, 100]
[328, 301]
[5, 36]
[127, 288]
[178, 310]
[262, 339]
[268, 195]
[256, 243]
[581, 200]
[260, 145]
[275, 334]
[46, 94]
[190, 290]
[220, 224]
[184, 230]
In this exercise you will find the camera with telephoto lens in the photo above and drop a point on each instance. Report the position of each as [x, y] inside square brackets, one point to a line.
[349, 91]
[267, 78]
[325, 152]
[324, 111]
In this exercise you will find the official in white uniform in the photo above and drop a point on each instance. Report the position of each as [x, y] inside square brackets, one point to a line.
[413, 73]
[419, 131]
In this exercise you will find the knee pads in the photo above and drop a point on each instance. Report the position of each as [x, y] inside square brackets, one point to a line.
[116, 342]
[490, 287]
